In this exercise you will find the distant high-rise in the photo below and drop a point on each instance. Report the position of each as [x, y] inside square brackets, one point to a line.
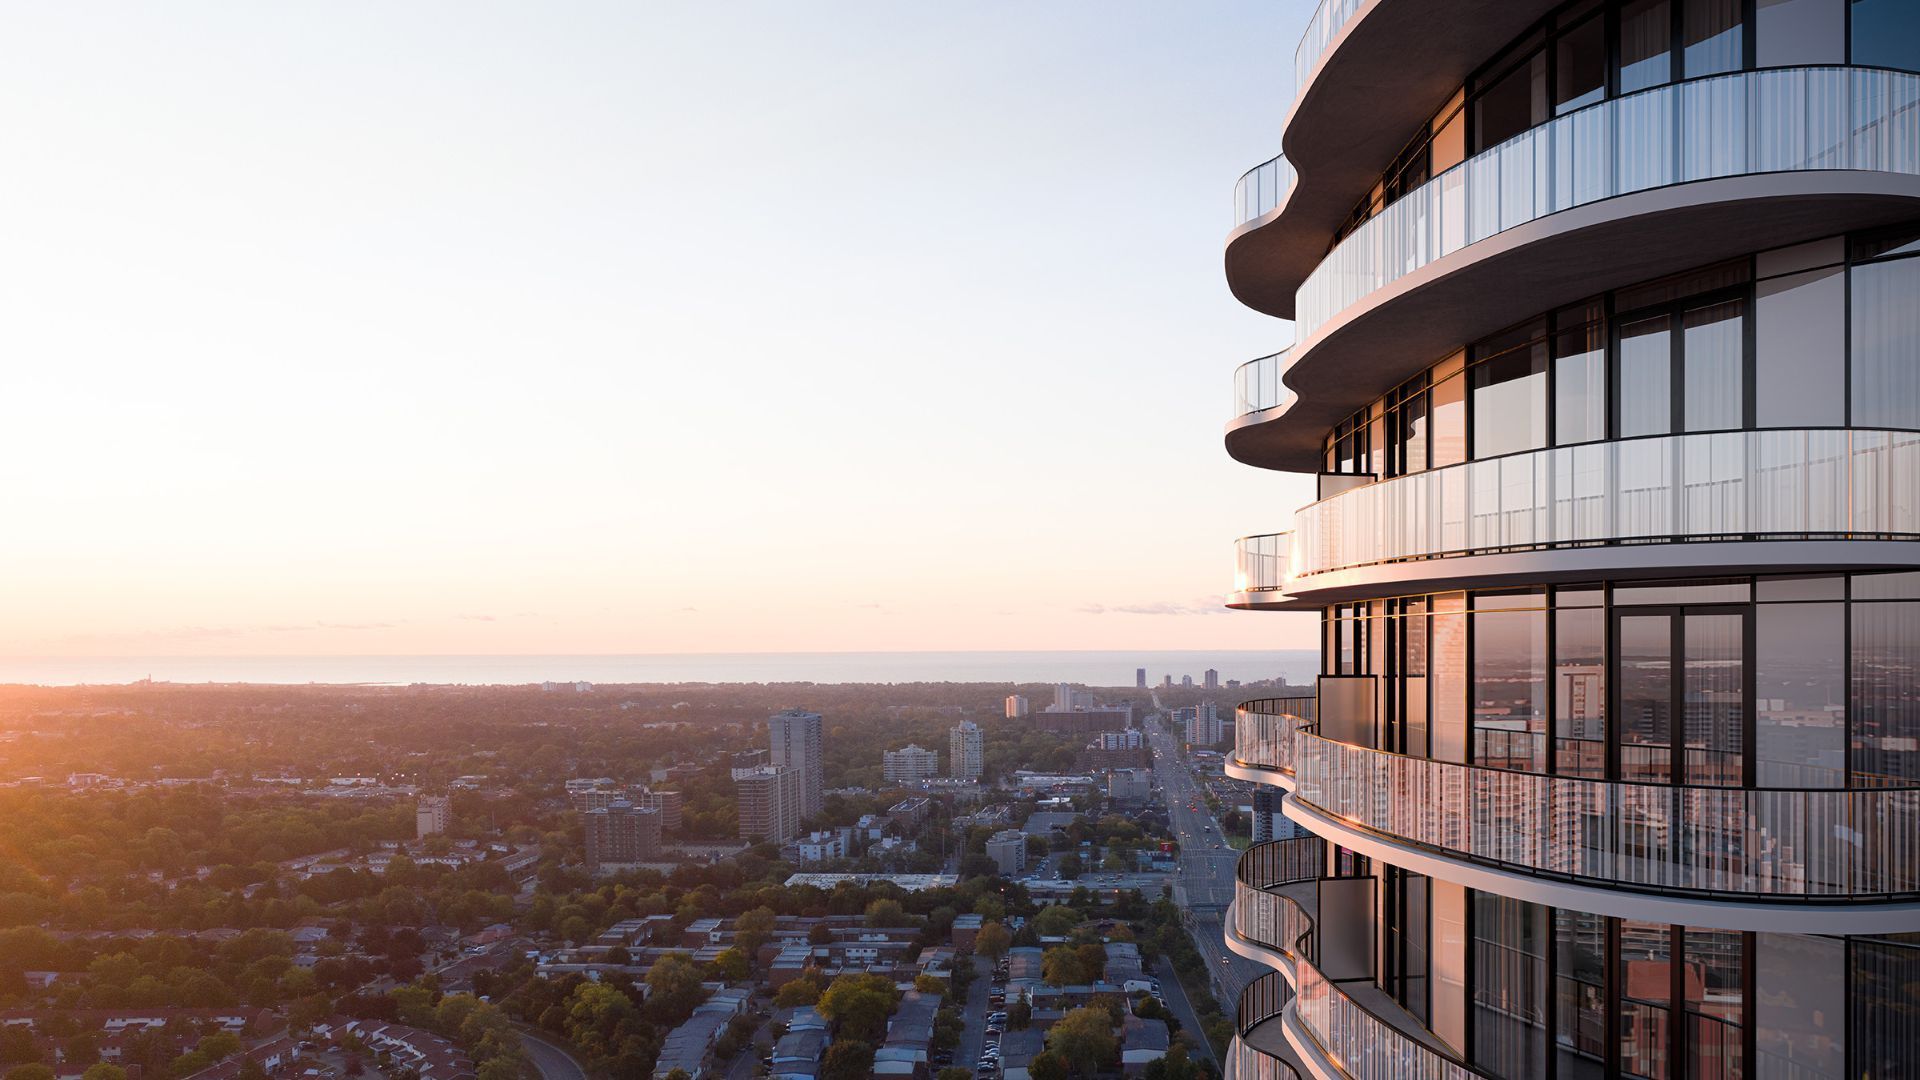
[795, 737]
[966, 751]
[770, 799]
[1186, 682]
[1166, 682]
[909, 763]
[1140, 678]
[1063, 697]
[1211, 680]
[1018, 707]
[620, 836]
[432, 815]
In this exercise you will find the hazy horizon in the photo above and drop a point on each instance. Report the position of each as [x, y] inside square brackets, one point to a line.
[412, 329]
[1095, 667]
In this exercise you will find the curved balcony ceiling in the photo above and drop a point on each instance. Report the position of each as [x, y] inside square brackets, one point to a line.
[1578, 206]
[1385, 73]
[1382, 340]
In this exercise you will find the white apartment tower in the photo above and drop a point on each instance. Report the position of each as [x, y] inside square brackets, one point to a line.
[966, 751]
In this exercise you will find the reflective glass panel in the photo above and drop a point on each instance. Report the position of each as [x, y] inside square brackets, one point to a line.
[1580, 692]
[1646, 44]
[1646, 377]
[1715, 346]
[1884, 1020]
[1580, 65]
[1580, 986]
[1645, 673]
[1886, 344]
[1510, 401]
[1715, 699]
[1789, 32]
[1886, 694]
[1800, 704]
[1509, 986]
[1580, 383]
[1646, 999]
[1886, 33]
[1715, 985]
[1800, 1007]
[1511, 103]
[1510, 689]
[1711, 36]
[1449, 412]
[1800, 350]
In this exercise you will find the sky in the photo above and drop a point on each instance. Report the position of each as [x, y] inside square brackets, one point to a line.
[368, 328]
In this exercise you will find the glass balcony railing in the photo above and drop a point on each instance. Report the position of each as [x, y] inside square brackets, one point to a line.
[1257, 386]
[1264, 732]
[1784, 119]
[1261, 189]
[1328, 20]
[1255, 1055]
[1353, 1037]
[1260, 562]
[1781, 484]
[1800, 844]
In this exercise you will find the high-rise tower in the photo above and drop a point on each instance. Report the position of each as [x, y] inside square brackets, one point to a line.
[794, 736]
[966, 751]
[1606, 372]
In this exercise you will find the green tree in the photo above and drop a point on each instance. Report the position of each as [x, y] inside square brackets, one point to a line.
[846, 1059]
[859, 1004]
[992, 941]
[1019, 1015]
[1063, 965]
[674, 989]
[1071, 866]
[753, 929]
[104, 1071]
[594, 1011]
[886, 912]
[1055, 921]
[1084, 1039]
[953, 1072]
[796, 993]
[730, 966]
[249, 1070]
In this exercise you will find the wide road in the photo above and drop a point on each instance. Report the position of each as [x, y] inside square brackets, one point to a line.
[1206, 873]
[1176, 996]
[553, 1060]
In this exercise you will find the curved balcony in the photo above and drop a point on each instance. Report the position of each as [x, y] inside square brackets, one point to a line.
[1663, 506]
[1367, 75]
[1264, 742]
[1347, 1033]
[1258, 397]
[1800, 860]
[1260, 1050]
[1618, 192]
[1806, 845]
[1262, 189]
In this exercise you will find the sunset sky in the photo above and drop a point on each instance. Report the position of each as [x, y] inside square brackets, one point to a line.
[629, 327]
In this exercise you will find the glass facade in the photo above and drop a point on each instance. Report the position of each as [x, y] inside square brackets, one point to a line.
[1808, 682]
[1770, 342]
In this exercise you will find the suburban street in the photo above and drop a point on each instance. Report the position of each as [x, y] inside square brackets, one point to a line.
[549, 1057]
[973, 1037]
[1204, 885]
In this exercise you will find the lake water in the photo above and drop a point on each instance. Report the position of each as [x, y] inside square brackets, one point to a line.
[1093, 668]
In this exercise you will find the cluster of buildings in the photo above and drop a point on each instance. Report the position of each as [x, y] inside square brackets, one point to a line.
[1200, 725]
[624, 827]
[966, 758]
[783, 787]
